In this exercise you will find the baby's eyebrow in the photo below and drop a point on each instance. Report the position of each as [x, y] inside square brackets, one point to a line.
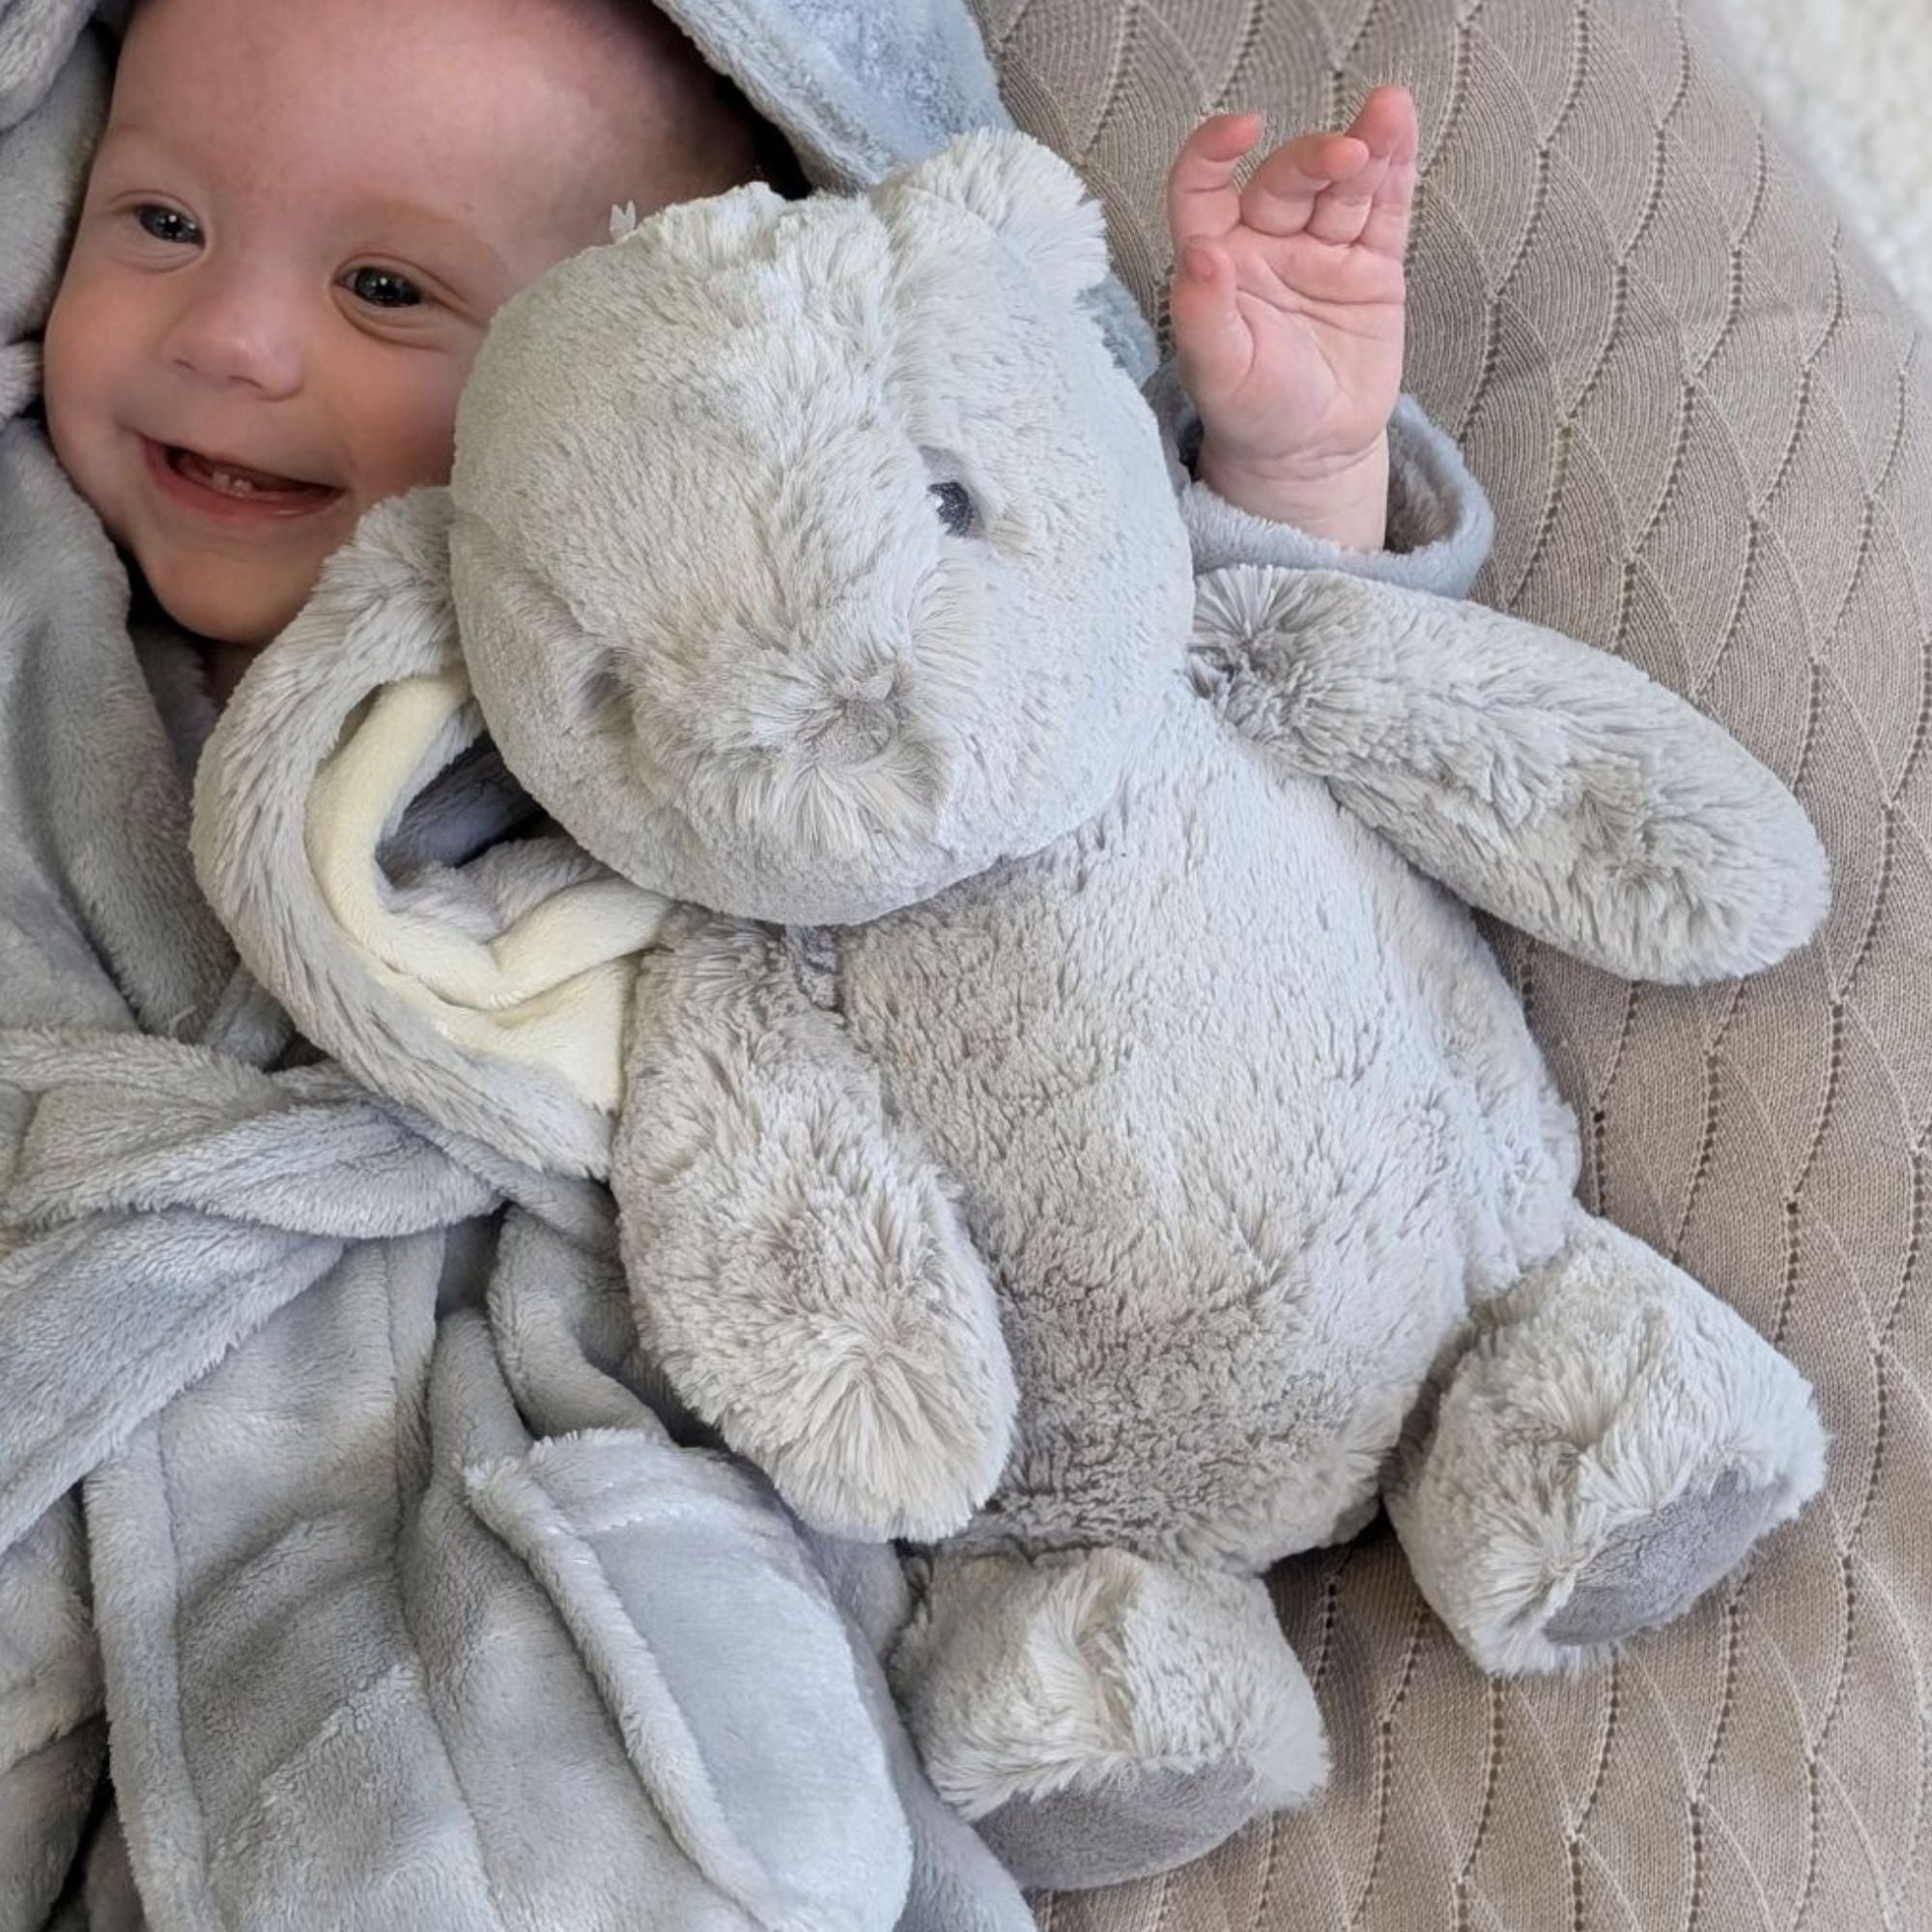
[447, 231]
[120, 131]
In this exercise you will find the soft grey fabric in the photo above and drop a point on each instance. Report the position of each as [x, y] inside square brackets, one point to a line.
[341, 1585]
[252, 854]
[1651, 1571]
[1148, 1821]
[1108, 1715]
[1152, 1164]
[42, 161]
[383, 625]
[392, 1590]
[1539, 776]
[860, 89]
[37, 38]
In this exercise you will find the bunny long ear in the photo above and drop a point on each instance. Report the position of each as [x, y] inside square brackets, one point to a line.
[1022, 190]
[389, 883]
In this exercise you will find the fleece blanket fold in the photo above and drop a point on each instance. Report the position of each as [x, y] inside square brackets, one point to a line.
[353, 1570]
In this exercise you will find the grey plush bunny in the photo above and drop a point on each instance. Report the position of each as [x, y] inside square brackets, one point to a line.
[1063, 1119]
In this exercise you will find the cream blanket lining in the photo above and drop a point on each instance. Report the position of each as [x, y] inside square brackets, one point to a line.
[550, 990]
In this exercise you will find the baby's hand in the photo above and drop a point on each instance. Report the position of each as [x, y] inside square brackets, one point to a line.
[1286, 304]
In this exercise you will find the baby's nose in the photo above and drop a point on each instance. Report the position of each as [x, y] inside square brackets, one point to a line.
[230, 329]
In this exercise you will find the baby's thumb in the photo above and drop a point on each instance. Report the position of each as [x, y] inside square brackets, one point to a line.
[1212, 338]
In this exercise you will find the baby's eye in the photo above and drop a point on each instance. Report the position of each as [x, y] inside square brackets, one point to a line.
[383, 288]
[165, 224]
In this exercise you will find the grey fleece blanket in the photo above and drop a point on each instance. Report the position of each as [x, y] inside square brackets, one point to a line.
[353, 1570]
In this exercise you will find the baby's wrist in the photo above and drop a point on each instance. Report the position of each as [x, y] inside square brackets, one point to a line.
[1342, 499]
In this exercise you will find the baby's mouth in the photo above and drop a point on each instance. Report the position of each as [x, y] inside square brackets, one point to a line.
[238, 480]
[233, 494]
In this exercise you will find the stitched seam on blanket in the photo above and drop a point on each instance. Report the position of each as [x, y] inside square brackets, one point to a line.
[698, 1822]
[403, 1603]
[176, 1742]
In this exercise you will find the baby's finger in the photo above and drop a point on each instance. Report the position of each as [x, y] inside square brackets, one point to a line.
[1212, 338]
[1387, 120]
[1342, 211]
[1282, 196]
[1384, 120]
[1202, 202]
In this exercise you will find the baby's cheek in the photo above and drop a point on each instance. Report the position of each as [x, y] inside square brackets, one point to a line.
[400, 430]
[79, 359]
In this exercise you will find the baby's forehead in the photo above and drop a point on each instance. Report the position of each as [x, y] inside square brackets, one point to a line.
[526, 73]
[518, 118]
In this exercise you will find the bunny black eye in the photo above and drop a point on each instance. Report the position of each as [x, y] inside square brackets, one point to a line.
[955, 506]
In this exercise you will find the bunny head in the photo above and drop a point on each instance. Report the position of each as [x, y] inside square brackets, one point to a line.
[813, 556]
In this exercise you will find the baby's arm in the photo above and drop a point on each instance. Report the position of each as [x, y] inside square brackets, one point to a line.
[1286, 304]
[1284, 397]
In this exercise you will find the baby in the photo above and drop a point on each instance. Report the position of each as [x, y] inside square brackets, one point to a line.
[300, 221]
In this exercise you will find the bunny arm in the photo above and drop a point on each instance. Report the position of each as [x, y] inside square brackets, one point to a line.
[797, 1266]
[1439, 522]
[1545, 780]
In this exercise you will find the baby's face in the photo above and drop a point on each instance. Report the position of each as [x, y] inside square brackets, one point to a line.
[300, 220]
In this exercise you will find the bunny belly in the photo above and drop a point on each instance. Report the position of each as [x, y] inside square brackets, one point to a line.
[1244, 1117]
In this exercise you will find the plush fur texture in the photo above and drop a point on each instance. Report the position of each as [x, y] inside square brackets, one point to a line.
[1540, 778]
[1151, 1164]
[429, 927]
[841, 1307]
[243, 1298]
[1148, 1164]
[1120, 976]
[1083, 1667]
[810, 714]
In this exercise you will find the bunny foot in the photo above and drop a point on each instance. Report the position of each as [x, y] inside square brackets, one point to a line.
[1100, 1717]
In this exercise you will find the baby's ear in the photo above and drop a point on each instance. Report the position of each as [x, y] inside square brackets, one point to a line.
[1024, 192]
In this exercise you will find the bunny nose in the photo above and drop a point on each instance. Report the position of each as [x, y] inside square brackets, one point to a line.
[867, 717]
[863, 716]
